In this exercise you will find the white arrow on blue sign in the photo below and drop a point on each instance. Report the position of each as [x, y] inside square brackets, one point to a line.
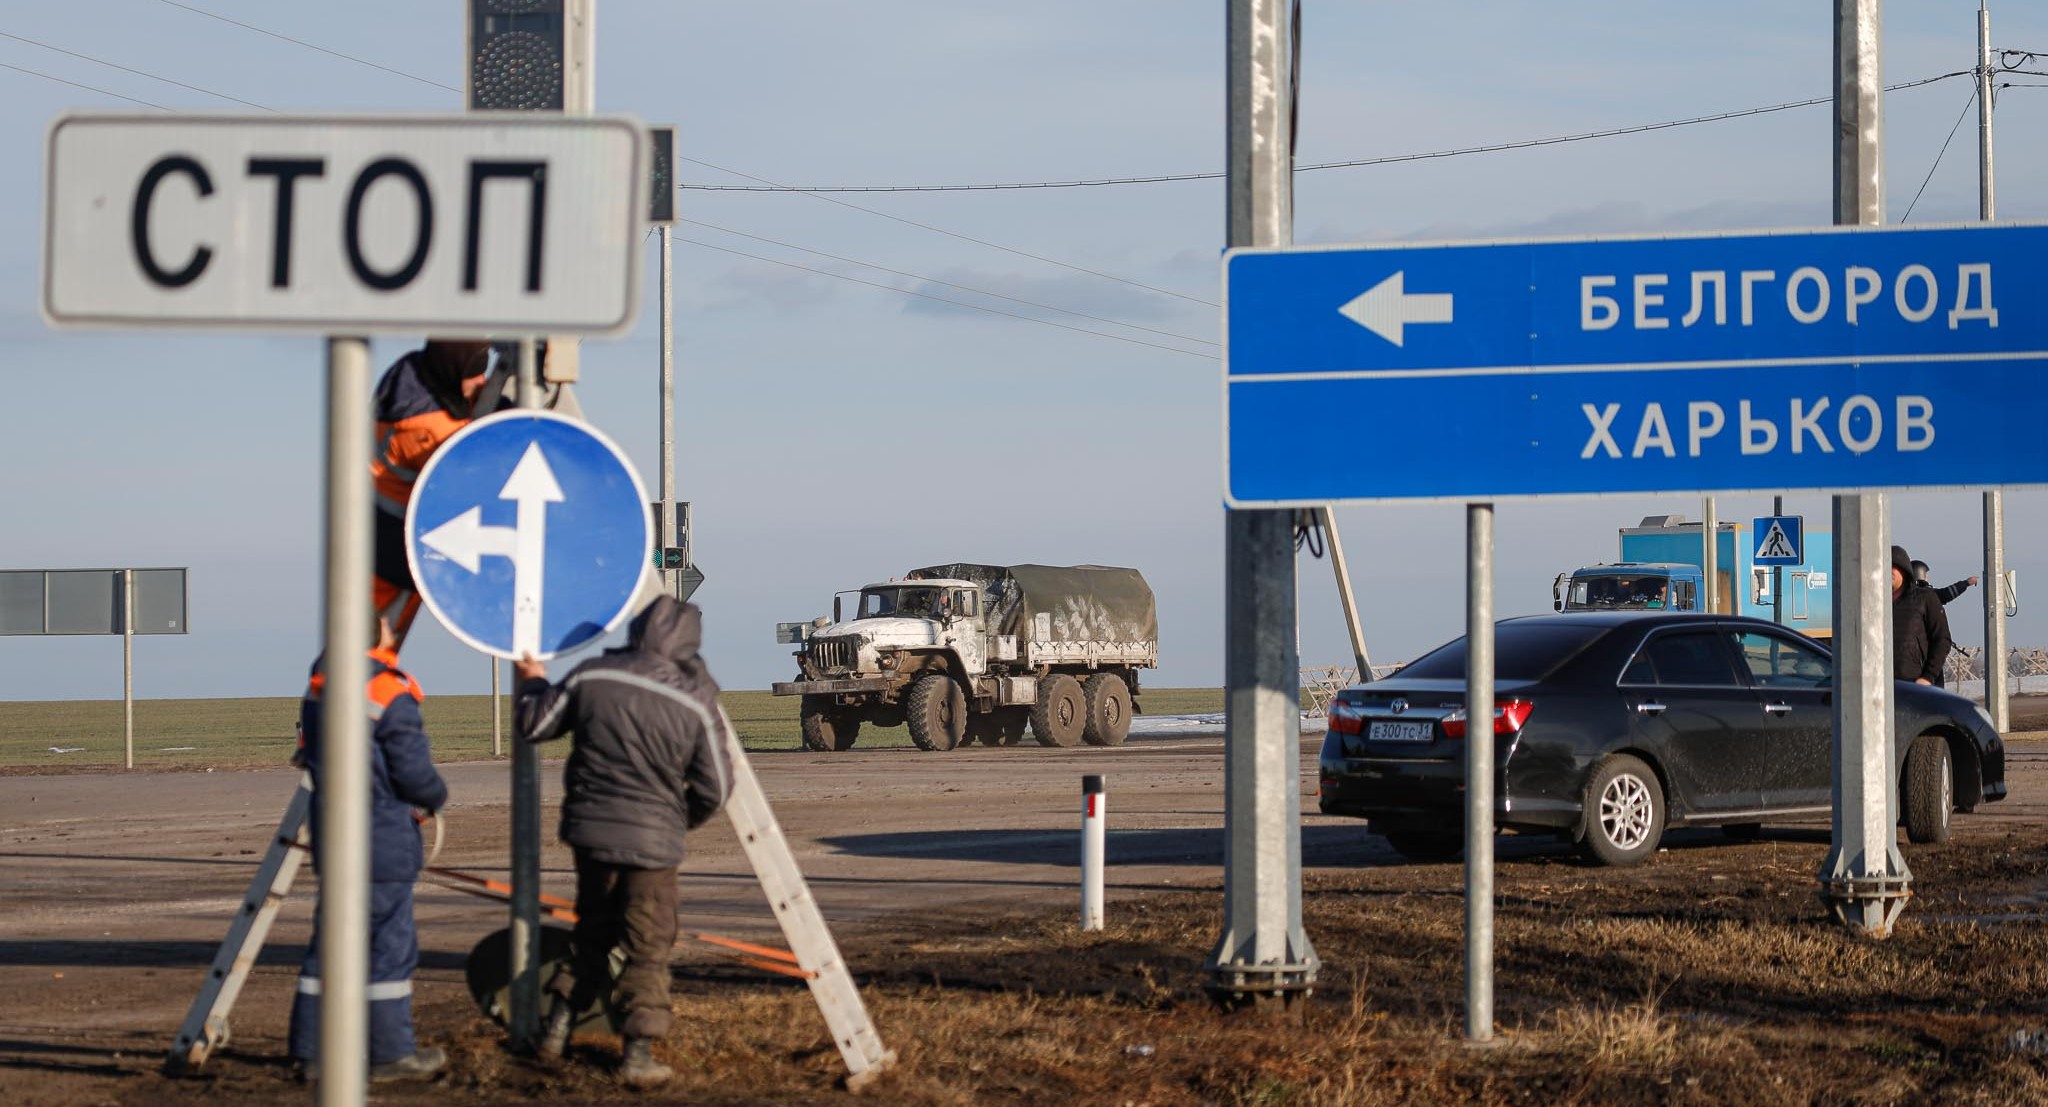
[1835, 358]
[528, 534]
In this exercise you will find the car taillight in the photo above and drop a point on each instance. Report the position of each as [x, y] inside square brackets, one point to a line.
[1508, 717]
[1345, 718]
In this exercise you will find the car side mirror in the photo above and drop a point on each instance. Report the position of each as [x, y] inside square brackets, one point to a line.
[835, 610]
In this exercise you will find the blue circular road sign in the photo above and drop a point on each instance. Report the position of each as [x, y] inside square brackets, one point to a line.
[528, 533]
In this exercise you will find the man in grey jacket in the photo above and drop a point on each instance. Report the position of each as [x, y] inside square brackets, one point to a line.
[650, 761]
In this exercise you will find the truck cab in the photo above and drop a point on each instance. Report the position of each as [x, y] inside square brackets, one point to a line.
[1628, 586]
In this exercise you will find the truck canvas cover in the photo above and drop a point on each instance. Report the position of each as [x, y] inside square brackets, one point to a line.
[1086, 603]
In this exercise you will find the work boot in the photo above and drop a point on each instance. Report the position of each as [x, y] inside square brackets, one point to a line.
[640, 1069]
[418, 1065]
[554, 1036]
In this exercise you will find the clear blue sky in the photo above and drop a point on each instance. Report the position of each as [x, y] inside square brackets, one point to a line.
[834, 433]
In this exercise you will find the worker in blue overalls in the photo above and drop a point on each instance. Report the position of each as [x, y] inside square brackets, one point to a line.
[402, 778]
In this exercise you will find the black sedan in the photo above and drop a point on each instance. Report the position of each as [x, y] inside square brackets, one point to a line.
[1611, 726]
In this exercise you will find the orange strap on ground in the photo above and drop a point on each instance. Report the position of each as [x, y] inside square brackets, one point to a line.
[765, 958]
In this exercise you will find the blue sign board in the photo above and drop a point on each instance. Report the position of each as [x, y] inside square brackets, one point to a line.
[528, 534]
[1780, 540]
[1837, 358]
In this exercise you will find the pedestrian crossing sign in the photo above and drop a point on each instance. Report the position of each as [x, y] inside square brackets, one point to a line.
[1780, 540]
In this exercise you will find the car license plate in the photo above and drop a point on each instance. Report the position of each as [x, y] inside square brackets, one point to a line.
[1401, 732]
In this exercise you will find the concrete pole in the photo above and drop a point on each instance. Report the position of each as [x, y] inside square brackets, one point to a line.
[1344, 594]
[1710, 558]
[1263, 952]
[128, 668]
[1864, 881]
[344, 831]
[1996, 678]
[668, 407]
[524, 1020]
[1479, 772]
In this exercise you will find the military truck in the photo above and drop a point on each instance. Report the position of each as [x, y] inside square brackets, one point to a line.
[967, 652]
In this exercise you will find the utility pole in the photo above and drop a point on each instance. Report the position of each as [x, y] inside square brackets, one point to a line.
[1864, 880]
[1996, 703]
[1263, 953]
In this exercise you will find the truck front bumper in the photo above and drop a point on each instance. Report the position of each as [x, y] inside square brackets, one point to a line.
[829, 687]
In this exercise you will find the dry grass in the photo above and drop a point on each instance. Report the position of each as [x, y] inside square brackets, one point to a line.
[1701, 979]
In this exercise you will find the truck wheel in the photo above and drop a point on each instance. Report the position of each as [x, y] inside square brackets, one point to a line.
[1061, 713]
[1109, 710]
[936, 710]
[824, 729]
[1930, 793]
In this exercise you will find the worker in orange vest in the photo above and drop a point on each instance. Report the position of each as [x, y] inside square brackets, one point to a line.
[421, 402]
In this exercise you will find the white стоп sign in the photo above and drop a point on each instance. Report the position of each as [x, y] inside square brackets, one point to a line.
[457, 225]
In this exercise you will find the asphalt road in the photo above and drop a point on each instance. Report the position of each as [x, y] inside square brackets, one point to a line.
[115, 889]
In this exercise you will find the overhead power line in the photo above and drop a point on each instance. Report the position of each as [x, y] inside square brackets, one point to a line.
[923, 226]
[88, 88]
[952, 234]
[135, 72]
[311, 46]
[1391, 159]
[1942, 154]
[951, 284]
[944, 300]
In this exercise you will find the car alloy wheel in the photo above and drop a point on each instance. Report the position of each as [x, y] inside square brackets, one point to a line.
[1625, 812]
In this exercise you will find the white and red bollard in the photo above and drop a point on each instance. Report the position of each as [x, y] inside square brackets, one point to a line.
[1093, 818]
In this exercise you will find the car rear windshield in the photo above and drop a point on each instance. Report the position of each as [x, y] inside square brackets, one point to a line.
[1521, 651]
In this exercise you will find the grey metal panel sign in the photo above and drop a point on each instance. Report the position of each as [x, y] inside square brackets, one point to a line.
[84, 601]
[160, 602]
[21, 602]
[479, 225]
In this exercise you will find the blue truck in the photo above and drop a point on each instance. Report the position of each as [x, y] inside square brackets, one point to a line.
[1661, 568]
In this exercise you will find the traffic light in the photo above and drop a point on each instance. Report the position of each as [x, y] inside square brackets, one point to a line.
[516, 50]
[661, 185]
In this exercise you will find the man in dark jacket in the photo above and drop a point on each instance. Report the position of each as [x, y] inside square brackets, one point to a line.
[1946, 594]
[1920, 640]
[650, 761]
[402, 777]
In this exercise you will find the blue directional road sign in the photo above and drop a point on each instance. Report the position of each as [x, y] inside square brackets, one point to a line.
[528, 533]
[1838, 358]
[1780, 540]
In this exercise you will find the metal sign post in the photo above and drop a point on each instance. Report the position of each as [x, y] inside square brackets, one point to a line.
[523, 1022]
[1864, 881]
[1263, 952]
[1996, 673]
[128, 668]
[344, 832]
[1479, 772]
